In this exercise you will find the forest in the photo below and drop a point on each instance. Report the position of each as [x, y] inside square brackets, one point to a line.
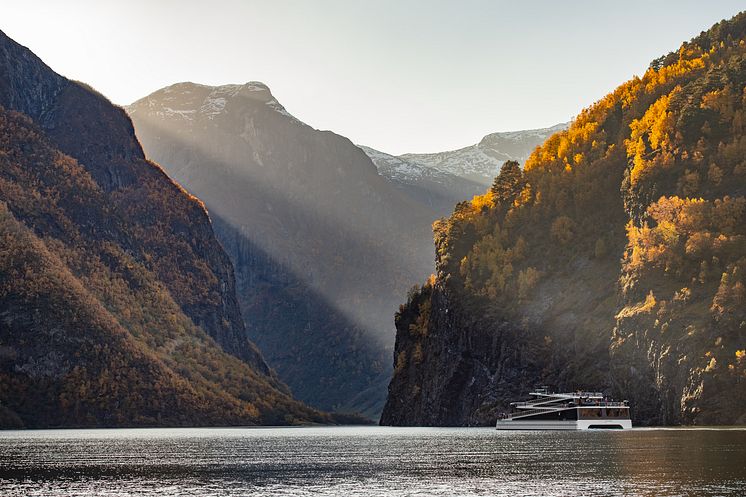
[616, 257]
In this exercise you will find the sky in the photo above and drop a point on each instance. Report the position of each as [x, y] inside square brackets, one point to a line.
[397, 75]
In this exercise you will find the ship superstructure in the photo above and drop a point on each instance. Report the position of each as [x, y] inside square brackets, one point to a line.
[566, 411]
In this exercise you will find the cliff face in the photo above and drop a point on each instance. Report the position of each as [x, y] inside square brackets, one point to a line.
[117, 303]
[443, 356]
[460, 361]
[615, 261]
[337, 245]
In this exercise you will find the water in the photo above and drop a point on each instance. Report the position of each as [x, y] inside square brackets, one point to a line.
[362, 461]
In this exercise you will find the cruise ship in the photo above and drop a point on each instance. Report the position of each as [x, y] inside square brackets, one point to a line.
[566, 411]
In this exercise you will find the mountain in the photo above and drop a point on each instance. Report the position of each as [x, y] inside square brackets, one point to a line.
[440, 180]
[481, 162]
[324, 247]
[436, 189]
[614, 260]
[117, 303]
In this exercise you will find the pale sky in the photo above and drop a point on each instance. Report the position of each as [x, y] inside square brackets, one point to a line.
[397, 75]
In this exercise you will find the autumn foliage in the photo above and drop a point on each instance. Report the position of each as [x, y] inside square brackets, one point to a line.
[622, 243]
[91, 333]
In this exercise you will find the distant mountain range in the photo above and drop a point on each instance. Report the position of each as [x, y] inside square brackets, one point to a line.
[477, 163]
[439, 190]
[443, 179]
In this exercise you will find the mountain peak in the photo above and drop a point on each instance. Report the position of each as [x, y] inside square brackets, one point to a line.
[187, 100]
[255, 86]
[189, 86]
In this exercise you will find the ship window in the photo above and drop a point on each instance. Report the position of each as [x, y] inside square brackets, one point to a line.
[617, 413]
[591, 413]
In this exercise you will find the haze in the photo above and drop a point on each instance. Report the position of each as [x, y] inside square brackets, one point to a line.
[398, 76]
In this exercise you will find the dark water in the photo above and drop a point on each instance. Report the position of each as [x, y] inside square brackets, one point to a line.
[372, 461]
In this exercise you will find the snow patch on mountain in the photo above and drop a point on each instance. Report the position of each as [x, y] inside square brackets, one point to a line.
[469, 162]
[192, 101]
[402, 170]
[482, 162]
[538, 134]
[479, 163]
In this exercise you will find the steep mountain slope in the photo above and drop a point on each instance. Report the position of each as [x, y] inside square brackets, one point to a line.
[337, 245]
[117, 304]
[84, 125]
[615, 260]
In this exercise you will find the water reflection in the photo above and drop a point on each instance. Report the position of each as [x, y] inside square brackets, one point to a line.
[372, 461]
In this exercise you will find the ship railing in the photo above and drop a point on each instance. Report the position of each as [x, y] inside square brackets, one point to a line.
[556, 402]
[554, 408]
[588, 394]
[537, 403]
[548, 401]
[564, 401]
[579, 393]
[529, 412]
[587, 403]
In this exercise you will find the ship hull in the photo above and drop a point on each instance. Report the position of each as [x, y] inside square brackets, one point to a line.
[583, 424]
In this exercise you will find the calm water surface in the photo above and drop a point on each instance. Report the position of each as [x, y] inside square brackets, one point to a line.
[361, 461]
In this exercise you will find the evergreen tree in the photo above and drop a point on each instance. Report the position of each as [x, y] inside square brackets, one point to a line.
[508, 184]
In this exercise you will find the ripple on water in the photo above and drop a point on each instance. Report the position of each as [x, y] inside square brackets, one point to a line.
[364, 461]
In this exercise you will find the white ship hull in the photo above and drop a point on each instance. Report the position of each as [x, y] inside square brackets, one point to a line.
[583, 424]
